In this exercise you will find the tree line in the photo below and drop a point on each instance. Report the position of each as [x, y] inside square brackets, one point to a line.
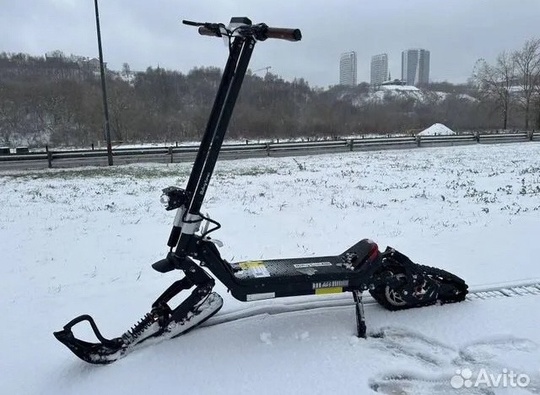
[56, 99]
[512, 84]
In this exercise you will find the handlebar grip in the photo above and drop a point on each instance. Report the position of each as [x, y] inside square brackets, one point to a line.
[191, 23]
[284, 33]
[204, 31]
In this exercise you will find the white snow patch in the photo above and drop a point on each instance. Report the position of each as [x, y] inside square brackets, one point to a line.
[400, 88]
[302, 335]
[266, 337]
[437, 129]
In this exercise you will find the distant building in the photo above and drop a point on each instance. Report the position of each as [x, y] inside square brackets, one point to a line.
[415, 66]
[92, 65]
[395, 82]
[347, 69]
[379, 69]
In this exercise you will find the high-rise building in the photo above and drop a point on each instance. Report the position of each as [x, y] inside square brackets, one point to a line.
[347, 69]
[415, 66]
[379, 69]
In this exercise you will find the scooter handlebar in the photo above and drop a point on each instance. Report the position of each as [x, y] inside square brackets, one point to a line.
[261, 32]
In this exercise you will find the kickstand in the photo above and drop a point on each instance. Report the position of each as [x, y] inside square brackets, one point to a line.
[360, 318]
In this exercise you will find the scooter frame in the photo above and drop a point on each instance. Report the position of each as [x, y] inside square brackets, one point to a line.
[361, 267]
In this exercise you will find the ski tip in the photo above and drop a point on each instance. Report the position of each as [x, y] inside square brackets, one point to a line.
[62, 335]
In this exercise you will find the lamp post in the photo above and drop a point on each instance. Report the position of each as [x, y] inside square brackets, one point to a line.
[103, 89]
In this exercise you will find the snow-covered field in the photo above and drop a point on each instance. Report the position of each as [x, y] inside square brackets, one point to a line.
[82, 241]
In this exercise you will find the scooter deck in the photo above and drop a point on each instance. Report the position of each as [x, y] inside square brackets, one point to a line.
[293, 269]
[260, 279]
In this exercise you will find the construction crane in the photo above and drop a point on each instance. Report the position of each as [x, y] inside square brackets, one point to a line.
[263, 68]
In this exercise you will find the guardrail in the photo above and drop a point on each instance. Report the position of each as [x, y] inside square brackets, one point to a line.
[240, 151]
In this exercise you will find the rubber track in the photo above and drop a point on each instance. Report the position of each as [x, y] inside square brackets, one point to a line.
[480, 292]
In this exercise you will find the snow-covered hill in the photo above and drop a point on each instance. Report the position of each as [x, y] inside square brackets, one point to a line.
[82, 241]
[386, 93]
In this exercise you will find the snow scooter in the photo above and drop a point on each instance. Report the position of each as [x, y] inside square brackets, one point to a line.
[392, 278]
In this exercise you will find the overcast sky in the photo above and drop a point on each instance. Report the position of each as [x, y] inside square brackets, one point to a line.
[150, 33]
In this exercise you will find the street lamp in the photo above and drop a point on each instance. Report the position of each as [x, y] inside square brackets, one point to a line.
[103, 89]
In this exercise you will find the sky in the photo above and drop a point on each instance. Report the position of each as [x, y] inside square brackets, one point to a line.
[150, 33]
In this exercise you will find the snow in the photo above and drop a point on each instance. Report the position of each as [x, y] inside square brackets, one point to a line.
[407, 92]
[400, 88]
[82, 241]
[437, 129]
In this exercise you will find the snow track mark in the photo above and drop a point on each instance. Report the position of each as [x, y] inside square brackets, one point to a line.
[405, 343]
[483, 355]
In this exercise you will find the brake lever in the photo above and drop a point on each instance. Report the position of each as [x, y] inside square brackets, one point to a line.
[191, 23]
[215, 27]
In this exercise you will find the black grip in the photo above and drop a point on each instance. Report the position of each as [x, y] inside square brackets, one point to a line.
[284, 33]
[204, 31]
[191, 23]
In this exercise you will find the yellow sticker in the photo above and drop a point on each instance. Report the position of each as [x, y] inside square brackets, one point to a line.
[332, 290]
[255, 268]
[250, 264]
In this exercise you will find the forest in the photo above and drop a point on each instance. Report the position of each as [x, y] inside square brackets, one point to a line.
[57, 100]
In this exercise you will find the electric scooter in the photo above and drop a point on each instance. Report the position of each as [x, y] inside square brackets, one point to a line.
[392, 279]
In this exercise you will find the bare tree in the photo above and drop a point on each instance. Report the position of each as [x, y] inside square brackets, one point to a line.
[126, 71]
[495, 82]
[527, 61]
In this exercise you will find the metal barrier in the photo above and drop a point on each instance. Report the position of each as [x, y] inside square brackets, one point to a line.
[504, 138]
[431, 141]
[380, 143]
[22, 159]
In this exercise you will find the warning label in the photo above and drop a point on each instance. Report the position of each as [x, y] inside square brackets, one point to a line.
[311, 264]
